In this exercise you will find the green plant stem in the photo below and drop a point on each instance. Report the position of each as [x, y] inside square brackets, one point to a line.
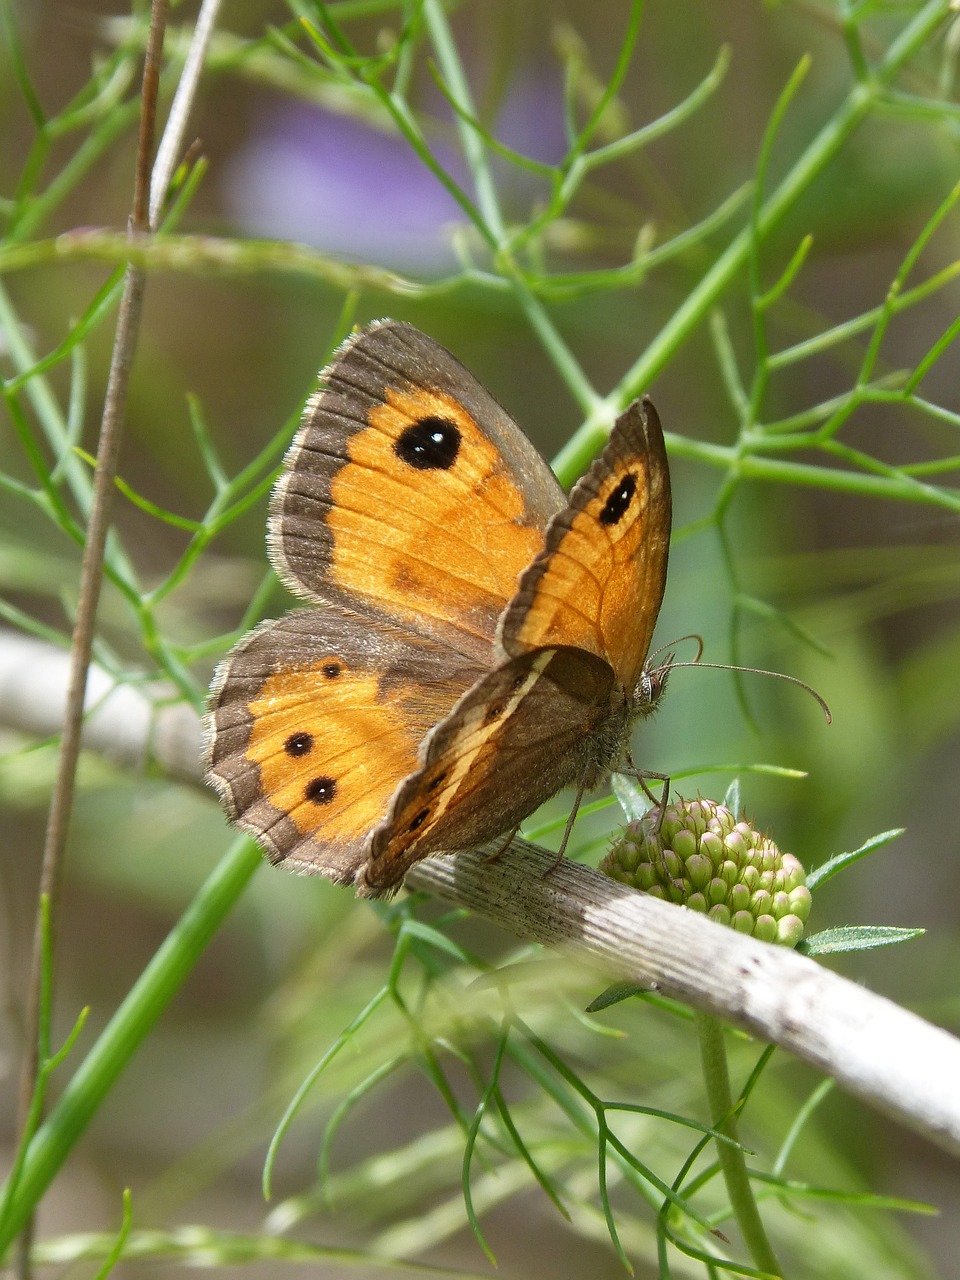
[91, 580]
[576, 455]
[474, 151]
[899, 487]
[713, 1059]
[135, 1018]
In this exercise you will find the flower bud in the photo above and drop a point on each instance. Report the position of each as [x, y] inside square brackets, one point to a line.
[698, 854]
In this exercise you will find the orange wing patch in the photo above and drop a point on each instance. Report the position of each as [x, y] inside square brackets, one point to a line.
[330, 748]
[437, 471]
[586, 596]
[599, 582]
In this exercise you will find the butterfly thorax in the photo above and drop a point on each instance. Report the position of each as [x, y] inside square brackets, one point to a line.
[603, 750]
[607, 748]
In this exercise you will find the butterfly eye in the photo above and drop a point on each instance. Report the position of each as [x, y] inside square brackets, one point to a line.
[650, 686]
[320, 790]
[618, 502]
[299, 744]
[432, 444]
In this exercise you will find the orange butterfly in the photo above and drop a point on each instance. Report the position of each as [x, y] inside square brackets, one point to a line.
[477, 640]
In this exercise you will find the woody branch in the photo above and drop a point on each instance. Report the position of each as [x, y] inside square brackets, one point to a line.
[881, 1053]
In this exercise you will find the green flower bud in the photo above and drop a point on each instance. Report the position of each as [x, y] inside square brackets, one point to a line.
[789, 930]
[699, 866]
[760, 904]
[672, 864]
[765, 928]
[801, 902]
[729, 872]
[739, 897]
[712, 845]
[717, 891]
[780, 905]
[684, 844]
[698, 854]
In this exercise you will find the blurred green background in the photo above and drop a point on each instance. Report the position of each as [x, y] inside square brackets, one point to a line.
[875, 583]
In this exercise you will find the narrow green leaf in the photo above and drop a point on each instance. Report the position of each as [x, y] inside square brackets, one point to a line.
[833, 866]
[861, 937]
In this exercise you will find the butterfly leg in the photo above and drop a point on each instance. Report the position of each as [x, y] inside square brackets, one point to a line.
[568, 829]
[492, 857]
[641, 776]
[660, 803]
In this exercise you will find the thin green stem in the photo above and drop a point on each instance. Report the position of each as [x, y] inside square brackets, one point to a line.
[761, 350]
[898, 487]
[713, 1059]
[473, 145]
[573, 458]
[126, 1030]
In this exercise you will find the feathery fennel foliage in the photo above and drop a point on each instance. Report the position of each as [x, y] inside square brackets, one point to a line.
[769, 246]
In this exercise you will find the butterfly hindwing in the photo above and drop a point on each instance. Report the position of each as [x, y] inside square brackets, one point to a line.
[314, 721]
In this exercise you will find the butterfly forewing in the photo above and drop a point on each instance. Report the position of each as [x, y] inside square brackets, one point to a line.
[408, 487]
[599, 581]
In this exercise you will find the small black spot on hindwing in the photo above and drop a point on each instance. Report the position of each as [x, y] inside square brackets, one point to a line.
[331, 670]
[320, 790]
[618, 503]
[432, 444]
[494, 712]
[435, 782]
[417, 822]
[299, 744]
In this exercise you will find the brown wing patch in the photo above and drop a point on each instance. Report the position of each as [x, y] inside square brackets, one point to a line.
[515, 738]
[599, 581]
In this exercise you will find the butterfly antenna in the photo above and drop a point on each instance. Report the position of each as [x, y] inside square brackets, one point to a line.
[756, 671]
[651, 658]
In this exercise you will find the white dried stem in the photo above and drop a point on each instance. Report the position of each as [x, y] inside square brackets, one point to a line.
[885, 1055]
[130, 725]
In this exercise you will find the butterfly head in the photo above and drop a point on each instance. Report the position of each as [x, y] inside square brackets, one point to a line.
[652, 682]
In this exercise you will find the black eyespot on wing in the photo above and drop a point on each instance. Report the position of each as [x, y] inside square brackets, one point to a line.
[331, 670]
[435, 782]
[417, 822]
[299, 744]
[619, 501]
[320, 790]
[493, 712]
[432, 444]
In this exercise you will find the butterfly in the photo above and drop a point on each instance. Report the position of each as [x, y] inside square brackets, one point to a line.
[475, 639]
